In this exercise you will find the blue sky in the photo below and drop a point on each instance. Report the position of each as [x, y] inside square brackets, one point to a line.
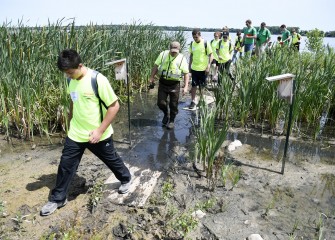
[306, 14]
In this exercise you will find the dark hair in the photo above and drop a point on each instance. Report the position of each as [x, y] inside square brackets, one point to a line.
[68, 59]
[217, 33]
[248, 21]
[196, 31]
[283, 26]
[263, 24]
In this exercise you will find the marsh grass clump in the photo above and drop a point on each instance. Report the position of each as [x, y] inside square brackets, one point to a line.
[230, 173]
[184, 223]
[166, 193]
[3, 212]
[168, 189]
[206, 205]
[72, 228]
[95, 194]
[209, 140]
[329, 183]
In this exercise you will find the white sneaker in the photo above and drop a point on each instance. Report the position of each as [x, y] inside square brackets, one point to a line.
[124, 188]
[50, 207]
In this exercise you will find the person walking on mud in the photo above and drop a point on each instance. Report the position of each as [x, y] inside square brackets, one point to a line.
[200, 62]
[171, 67]
[90, 127]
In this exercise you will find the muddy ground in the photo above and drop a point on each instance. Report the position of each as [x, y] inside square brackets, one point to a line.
[297, 205]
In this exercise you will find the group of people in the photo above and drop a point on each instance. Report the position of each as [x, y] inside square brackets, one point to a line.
[292, 38]
[171, 66]
[257, 41]
[90, 126]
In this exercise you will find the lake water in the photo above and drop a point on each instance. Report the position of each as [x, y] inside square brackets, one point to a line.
[210, 35]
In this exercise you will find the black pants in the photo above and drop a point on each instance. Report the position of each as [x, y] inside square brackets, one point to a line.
[224, 68]
[169, 89]
[297, 46]
[71, 157]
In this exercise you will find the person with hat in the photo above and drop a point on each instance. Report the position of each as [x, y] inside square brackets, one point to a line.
[263, 38]
[225, 29]
[171, 67]
[224, 51]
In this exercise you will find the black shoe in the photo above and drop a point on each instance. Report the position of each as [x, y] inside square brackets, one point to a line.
[165, 120]
[192, 105]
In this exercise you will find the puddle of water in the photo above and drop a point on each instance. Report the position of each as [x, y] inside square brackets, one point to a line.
[152, 144]
[313, 152]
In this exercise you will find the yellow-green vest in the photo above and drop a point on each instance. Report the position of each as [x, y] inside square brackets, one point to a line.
[169, 68]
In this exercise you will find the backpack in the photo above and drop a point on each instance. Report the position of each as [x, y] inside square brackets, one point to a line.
[94, 84]
[205, 43]
[240, 41]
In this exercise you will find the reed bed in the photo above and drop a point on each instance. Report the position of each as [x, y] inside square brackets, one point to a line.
[255, 101]
[33, 97]
[34, 101]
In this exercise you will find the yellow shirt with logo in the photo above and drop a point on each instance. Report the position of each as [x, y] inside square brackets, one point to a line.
[214, 43]
[225, 51]
[200, 60]
[86, 109]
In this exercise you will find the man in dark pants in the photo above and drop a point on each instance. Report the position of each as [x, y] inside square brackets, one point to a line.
[171, 67]
[87, 128]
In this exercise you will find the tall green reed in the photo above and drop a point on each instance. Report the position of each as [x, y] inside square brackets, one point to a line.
[209, 140]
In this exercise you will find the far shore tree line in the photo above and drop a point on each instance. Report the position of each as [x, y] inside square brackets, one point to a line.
[273, 30]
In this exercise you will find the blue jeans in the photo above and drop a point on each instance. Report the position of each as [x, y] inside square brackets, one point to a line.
[236, 55]
[248, 48]
[71, 157]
